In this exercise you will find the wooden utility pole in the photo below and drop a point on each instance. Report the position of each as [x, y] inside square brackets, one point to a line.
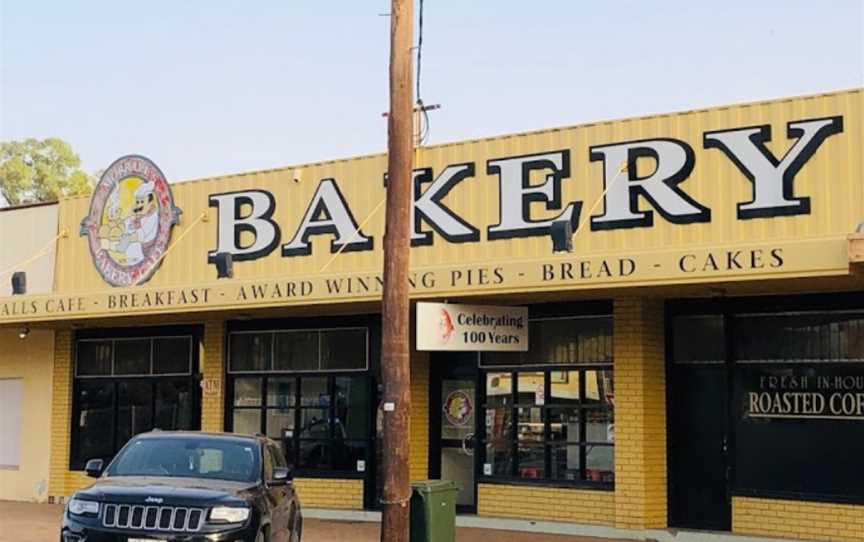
[395, 372]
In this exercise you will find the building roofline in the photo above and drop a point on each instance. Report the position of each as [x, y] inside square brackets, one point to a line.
[539, 131]
[28, 205]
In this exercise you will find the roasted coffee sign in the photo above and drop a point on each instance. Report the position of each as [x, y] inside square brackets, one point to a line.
[833, 397]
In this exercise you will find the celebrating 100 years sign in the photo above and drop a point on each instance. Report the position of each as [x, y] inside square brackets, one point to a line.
[444, 326]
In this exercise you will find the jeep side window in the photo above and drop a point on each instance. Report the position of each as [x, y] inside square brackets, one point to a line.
[268, 462]
[278, 458]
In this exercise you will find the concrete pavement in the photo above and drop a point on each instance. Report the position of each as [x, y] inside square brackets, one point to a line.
[26, 522]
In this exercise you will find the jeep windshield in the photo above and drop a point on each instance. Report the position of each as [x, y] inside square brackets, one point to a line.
[189, 458]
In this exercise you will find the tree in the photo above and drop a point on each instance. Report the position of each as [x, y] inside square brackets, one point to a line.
[32, 171]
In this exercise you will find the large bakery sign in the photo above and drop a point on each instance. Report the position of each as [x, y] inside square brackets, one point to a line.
[132, 210]
[772, 181]
[129, 223]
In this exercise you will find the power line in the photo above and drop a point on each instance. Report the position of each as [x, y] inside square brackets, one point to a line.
[422, 127]
[422, 131]
[420, 53]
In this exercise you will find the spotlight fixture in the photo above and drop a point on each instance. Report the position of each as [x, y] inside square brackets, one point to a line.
[24, 333]
[19, 283]
[224, 265]
[561, 232]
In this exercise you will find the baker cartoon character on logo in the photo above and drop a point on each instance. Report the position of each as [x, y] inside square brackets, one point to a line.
[140, 229]
[129, 224]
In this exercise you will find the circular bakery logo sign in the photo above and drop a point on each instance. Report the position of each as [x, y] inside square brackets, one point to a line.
[458, 408]
[129, 224]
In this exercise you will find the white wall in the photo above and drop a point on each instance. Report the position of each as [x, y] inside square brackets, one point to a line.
[11, 398]
[30, 364]
[23, 232]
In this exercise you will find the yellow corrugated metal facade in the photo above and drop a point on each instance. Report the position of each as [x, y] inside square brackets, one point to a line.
[832, 179]
[671, 261]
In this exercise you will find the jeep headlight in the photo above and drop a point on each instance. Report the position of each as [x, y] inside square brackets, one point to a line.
[78, 507]
[229, 514]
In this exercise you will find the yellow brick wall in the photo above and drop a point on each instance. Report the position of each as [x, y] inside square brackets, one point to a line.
[213, 370]
[61, 481]
[419, 420]
[796, 520]
[640, 414]
[330, 493]
[546, 503]
[61, 413]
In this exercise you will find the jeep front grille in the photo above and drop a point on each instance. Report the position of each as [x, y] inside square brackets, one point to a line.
[153, 518]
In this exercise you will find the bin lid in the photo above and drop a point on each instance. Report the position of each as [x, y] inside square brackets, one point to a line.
[433, 486]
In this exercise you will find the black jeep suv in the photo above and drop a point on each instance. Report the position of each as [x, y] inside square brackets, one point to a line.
[190, 487]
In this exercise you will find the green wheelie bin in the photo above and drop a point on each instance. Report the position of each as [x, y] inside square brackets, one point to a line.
[433, 511]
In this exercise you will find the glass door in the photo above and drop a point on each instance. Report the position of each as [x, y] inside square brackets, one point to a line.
[698, 414]
[453, 428]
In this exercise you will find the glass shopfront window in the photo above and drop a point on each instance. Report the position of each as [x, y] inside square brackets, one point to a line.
[549, 412]
[309, 389]
[124, 386]
[798, 390]
[767, 400]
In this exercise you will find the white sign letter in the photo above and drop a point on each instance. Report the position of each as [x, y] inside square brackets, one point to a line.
[673, 162]
[428, 207]
[328, 213]
[231, 223]
[773, 180]
[516, 193]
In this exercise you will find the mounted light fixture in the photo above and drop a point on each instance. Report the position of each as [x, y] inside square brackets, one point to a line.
[19, 283]
[24, 333]
[561, 232]
[224, 265]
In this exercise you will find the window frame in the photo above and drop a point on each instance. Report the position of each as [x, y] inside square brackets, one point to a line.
[274, 331]
[372, 323]
[556, 318]
[548, 405]
[737, 487]
[77, 463]
[731, 310]
[192, 333]
[589, 310]
[321, 325]
[296, 410]
[128, 338]
[739, 317]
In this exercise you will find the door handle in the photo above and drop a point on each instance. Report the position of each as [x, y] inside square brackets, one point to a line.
[465, 449]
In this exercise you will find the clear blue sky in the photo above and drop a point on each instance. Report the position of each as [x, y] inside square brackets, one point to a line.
[216, 87]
